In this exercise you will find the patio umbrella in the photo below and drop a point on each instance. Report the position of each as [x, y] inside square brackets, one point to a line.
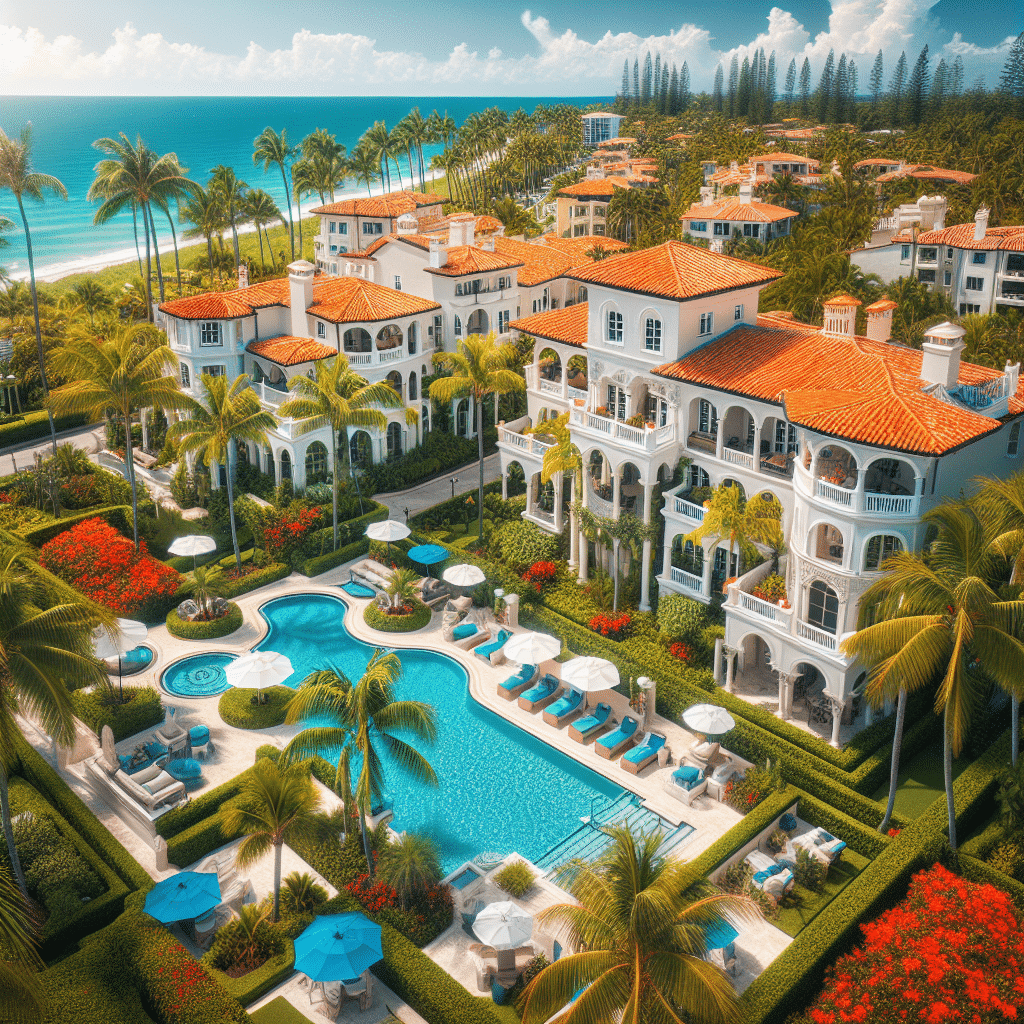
[590, 674]
[428, 554]
[708, 719]
[192, 544]
[719, 935]
[338, 947]
[532, 648]
[387, 531]
[504, 925]
[464, 575]
[183, 896]
[258, 669]
[127, 635]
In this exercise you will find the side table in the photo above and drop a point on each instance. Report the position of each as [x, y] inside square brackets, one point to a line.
[187, 770]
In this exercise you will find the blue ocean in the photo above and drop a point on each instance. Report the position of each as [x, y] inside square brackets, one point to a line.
[203, 132]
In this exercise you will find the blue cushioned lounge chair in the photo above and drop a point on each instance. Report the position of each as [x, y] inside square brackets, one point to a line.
[516, 683]
[616, 742]
[492, 652]
[567, 705]
[584, 729]
[635, 760]
[541, 695]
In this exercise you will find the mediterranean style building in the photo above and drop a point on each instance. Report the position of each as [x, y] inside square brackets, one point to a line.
[853, 438]
[721, 219]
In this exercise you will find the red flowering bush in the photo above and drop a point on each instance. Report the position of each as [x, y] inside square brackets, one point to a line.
[284, 531]
[951, 951]
[95, 559]
[79, 491]
[615, 628]
[540, 573]
[684, 652]
[374, 896]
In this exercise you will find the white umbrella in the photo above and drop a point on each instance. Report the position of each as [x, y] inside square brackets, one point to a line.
[258, 669]
[532, 648]
[590, 674]
[708, 719]
[388, 531]
[193, 544]
[503, 925]
[126, 636]
[464, 575]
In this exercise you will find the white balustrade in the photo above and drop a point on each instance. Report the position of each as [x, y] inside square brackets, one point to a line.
[834, 493]
[576, 394]
[690, 510]
[524, 442]
[269, 395]
[817, 636]
[765, 609]
[738, 458]
[550, 387]
[645, 438]
[391, 355]
[891, 504]
[687, 580]
[359, 358]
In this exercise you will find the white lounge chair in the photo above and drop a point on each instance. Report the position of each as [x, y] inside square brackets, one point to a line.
[778, 883]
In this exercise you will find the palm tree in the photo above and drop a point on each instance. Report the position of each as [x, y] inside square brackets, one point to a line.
[785, 190]
[203, 210]
[229, 413]
[119, 373]
[45, 638]
[363, 718]
[339, 398]
[376, 141]
[418, 132]
[21, 995]
[565, 457]
[641, 940]
[272, 148]
[261, 209]
[231, 194]
[480, 367]
[278, 805]
[938, 619]
[364, 166]
[94, 297]
[176, 191]
[304, 183]
[18, 178]
[410, 863]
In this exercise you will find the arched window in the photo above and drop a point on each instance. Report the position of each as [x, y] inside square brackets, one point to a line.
[879, 549]
[394, 378]
[581, 294]
[699, 476]
[394, 439]
[614, 327]
[707, 419]
[316, 462]
[359, 449]
[822, 607]
[357, 340]
[478, 322]
[389, 337]
[652, 334]
[1013, 444]
[286, 466]
[412, 337]
[462, 420]
[412, 386]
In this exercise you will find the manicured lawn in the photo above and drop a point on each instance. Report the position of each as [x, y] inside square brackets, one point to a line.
[920, 783]
[279, 1011]
[805, 905]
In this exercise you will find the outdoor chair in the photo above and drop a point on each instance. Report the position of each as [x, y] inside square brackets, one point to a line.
[517, 683]
[686, 783]
[614, 743]
[773, 879]
[584, 728]
[541, 695]
[567, 705]
[492, 652]
[636, 760]
[706, 754]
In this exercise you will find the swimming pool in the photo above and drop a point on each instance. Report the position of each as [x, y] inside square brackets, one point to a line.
[500, 788]
[201, 675]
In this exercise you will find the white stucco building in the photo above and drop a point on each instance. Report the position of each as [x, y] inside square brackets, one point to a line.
[600, 126]
[718, 220]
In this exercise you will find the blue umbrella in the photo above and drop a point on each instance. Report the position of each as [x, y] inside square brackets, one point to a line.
[428, 554]
[338, 947]
[183, 896]
[720, 934]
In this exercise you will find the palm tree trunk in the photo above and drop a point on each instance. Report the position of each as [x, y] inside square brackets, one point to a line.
[149, 269]
[947, 774]
[298, 208]
[174, 241]
[234, 237]
[480, 450]
[209, 256]
[39, 335]
[5, 814]
[270, 249]
[156, 252]
[129, 463]
[894, 770]
[291, 219]
[363, 831]
[135, 228]
[334, 483]
[353, 470]
[259, 235]
[231, 510]
[277, 881]
[343, 787]
[615, 569]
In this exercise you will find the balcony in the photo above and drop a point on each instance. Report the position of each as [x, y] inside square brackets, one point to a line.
[638, 439]
[689, 582]
[377, 357]
[482, 296]
[853, 497]
[525, 444]
[678, 505]
[557, 387]
[269, 395]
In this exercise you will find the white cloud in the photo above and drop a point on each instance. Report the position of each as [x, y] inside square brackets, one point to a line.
[342, 63]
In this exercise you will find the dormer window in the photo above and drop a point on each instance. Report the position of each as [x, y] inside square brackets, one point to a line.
[614, 328]
[209, 334]
[652, 335]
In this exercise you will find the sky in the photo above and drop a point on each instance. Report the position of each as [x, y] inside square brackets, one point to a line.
[460, 47]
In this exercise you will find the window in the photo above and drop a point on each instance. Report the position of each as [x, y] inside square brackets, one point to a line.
[579, 230]
[209, 334]
[458, 326]
[978, 259]
[693, 558]
[503, 319]
[398, 283]
[822, 607]
[411, 337]
[614, 327]
[699, 477]
[616, 401]
[412, 387]
[698, 225]
[751, 230]
[600, 211]
[652, 335]
[343, 229]
[580, 211]
[722, 228]
[737, 313]
[879, 549]
[904, 253]
[581, 295]
[333, 228]
[334, 250]
[656, 410]
[785, 437]
[372, 228]
[926, 276]
[949, 254]
[927, 254]
[504, 282]
[969, 307]
[214, 371]
[974, 284]
[1013, 444]
[707, 418]
[707, 323]
[947, 278]
[185, 379]
[321, 329]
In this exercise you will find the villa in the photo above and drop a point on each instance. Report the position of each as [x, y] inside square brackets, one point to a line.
[758, 170]
[582, 209]
[743, 216]
[854, 437]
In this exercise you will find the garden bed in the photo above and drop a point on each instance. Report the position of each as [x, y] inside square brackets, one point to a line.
[236, 707]
[142, 710]
[204, 629]
[803, 905]
[375, 618]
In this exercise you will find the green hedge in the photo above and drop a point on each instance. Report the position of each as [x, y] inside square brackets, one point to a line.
[268, 574]
[320, 543]
[855, 834]
[118, 516]
[186, 630]
[178, 819]
[249, 987]
[451, 508]
[202, 838]
[978, 871]
[36, 424]
[236, 707]
[323, 563]
[143, 711]
[416, 619]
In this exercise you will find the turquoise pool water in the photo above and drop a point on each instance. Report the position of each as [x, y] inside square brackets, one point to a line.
[500, 788]
[201, 675]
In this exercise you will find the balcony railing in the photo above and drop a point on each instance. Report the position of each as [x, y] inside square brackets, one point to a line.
[890, 504]
[687, 508]
[834, 493]
[524, 442]
[269, 395]
[821, 637]
[765, 609]
[852, 500]
[647, 439]
[687, 580]
[738, 458]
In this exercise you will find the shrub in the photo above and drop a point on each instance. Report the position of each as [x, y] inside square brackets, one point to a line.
[776, 841]
[1008, 858]
[521, 544]
[515, 878]
[186, 630]
[746, 793]
[680, 617]
[246, 942]
[251, 579]
[30, 425]
[772, 588]
[375, 618]
[300, 894]
[540, 573]
[142, 710]
[236, 707]
[808, 870]
[613, 627]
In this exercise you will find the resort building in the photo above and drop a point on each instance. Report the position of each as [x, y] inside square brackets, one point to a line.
[853, 437]
[600, 126]
[582, 209]
[759, 170]
[741, 216]
[980, 269]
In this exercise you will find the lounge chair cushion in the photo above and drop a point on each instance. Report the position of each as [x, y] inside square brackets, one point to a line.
[624, 731]
[834, 848]
[687, 776]
[762, 876]
[162, 781]
[147, 774]
[541, 690]
[648, 749]
[199, 734]
[464, 630]
[592, 721]
[565, 704]
[526, 672]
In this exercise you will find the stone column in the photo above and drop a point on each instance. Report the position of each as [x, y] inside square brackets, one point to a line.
[504, 486]
[648, 687]
[616, 494]
[709, 565]
[584, 548]
[758, 431]
[837, 720]
[730, 670]
[645, 566]
[719, 645]
[666, 560]
[574, 525]
[530, 494]
[558, 481]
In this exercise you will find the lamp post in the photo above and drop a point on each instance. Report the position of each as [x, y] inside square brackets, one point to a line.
[455, 480]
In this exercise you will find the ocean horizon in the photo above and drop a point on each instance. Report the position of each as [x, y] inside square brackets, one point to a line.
[203, 132]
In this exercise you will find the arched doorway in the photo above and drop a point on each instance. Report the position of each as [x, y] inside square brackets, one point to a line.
[823, 607]
[394, 378]
[478, 322]
[357, 340]
[412, 386]
[388, 337]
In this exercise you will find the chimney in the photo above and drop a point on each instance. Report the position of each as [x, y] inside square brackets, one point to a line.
[300, 295]
[880, 319]
[408, 224]
[746, 193]
[461, 229]
[734, 166]
[243, 275]
[840, 316]
[707, 194]
[980, 223]
[438, 253]
[1013, 373]
[941, 361]
[933, 212]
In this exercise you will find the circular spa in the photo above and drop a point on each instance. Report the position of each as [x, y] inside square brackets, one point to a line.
[199, 675]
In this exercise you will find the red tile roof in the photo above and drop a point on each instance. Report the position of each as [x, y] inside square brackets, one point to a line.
[961, 236]
[391, 204]
[576, 248]
[675, 270]
[462, 259]
[344, 300]
[881, 306]
[540, 263]
[853, 388]
[843, 301]
[877, 161]
[782, 158]
[730, 208]
[568, 325]
[925, 172]
[288, 350]
[596, 188]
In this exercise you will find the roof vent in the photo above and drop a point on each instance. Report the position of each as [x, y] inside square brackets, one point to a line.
[981, 223]
[840, 316]
[942, 346]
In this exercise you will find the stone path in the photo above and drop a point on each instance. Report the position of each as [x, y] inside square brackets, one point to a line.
[426, 495]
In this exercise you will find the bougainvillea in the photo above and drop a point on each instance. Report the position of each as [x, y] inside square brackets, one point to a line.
[540, 573]
[374, 896]
[95, 559]
[682, 651]
[284, 532]
[953, 950]
[615, 628]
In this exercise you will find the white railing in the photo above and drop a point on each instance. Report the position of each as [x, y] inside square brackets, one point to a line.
[738, 458]
[391, 355]
[270, 396]
[647, 439]
[886, 223]
[359, 358]
[1012, 273]
[765, 609]
[524, 442]
[547, 518]
[576, 394]
[817, 636]
[687, 580]
[833, 492]
[689, 509]
[891, 504]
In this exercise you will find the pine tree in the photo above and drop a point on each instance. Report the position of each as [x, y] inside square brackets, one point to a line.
[664, 89]
[684, 86]
[656, 81]
[825, 86]
[1011, 81]
[956, 85]
[875, 82]
[790, 85]
[940, 84]
[646, 83]
[769, 90]
[917, 87]
[734, 81]
[716, 92]
[851, 91]
[837, 106]
[743, 90]
[625, 80]
[898, 86]
[636, 79]
[673, 91]
[805, 87]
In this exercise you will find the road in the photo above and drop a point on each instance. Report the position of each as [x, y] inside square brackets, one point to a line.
[23, 456]
[426, 495]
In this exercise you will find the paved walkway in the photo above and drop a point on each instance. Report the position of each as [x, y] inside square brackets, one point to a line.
[427, 495]
[89, 439]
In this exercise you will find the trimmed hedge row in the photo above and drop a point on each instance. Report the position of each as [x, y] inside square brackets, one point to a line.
[268, 574]
[320, 542]
[36, 424]
[854, 833]
[236, 707]
[185, 630]
[416, 619]
[323, 563]
[178, 819]
[143, 711]
[978, 871]
[118, 516]
[249, 987]
[201, 838]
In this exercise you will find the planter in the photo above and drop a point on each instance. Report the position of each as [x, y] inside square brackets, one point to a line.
[375, 618]
[204, 630]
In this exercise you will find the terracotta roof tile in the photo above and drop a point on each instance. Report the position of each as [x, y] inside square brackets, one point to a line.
[730, 208]
[391, 204]
[540, 263]
[961, 236]
[844, 301]
[782, 158]
[925, 172]
[853, 388]
[343, 300]
[881, 306]
[675, 270]
[876, 161]
[568, 325]
[289, 350]
[596, 188]
[462, 259]
[576, 248]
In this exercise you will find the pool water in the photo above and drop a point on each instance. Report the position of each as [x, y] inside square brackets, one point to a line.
[138, 656]
[500, 788]
[201, 675]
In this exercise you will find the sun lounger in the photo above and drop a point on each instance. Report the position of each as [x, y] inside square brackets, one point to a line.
[584, 729]
[615, 743]
[567, 705]
[492, 652]
[686, 783]
[467, 639]
[541, 695]
[516, 683]
[774, 879]
[636, 760]
[822, 845]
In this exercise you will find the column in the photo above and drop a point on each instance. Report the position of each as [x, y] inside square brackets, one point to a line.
[719, 645]
[616, 494]
[574, 525]
[559, 482]
[869, 713]
[144, 420]
[584, 548]
[718, 440]
[709, 564]
[530, 494]
[858, 494]
[645, 566]
[504, 486]
[666, 561]
[730, 670]
[758, 431]
[837, 720]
